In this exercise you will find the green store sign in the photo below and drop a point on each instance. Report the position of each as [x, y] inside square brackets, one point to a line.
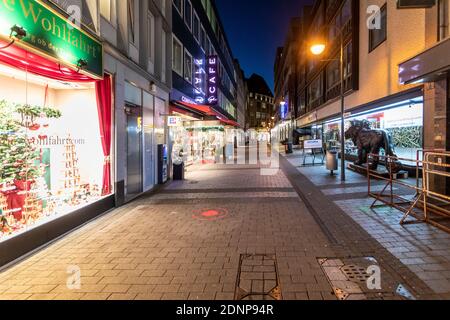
[51, 34]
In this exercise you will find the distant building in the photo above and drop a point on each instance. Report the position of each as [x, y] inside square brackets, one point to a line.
[260, 105]
[287, 74]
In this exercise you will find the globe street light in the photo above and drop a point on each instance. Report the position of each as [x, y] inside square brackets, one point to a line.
[318, 49]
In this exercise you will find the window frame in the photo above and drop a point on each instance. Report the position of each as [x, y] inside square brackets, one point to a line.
[151, 45]
[112, 16]
[190, 14]
[203, 39]
[443, 13]
[186, 52]
[373, 48]
[179, 10]
[196, 18]
[179, 72]
[131, 17]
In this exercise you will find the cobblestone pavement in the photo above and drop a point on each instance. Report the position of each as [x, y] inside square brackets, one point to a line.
[162, 247]
[187, 242]
[423, 249]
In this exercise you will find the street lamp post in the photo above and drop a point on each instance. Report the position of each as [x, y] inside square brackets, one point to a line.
[318, 49]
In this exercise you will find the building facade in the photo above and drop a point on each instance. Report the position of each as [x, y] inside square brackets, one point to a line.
[260, 109]
[91, 89]
[203, 97]
[377, 37]
[241, 101]
[287, 73]
[430, 67]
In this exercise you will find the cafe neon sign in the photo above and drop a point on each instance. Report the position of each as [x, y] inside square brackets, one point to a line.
[213, 79]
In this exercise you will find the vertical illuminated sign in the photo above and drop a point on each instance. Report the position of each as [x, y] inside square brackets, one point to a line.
[283, 110]
[212, 81]
[199, 81]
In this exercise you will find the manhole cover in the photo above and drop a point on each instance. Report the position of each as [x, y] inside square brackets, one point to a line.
[211, 214]
[362, 278]
[258, 278]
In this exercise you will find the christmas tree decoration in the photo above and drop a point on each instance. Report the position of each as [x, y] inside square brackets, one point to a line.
[20, 166]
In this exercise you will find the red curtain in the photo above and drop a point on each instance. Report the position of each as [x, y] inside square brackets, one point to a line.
[103, 92]
[26, 61]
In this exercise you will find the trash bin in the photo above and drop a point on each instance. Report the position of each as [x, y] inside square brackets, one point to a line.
[332, 161]
[178, 171]
[289, 148]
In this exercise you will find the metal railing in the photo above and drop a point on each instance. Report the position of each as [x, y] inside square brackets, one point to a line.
[425, 204]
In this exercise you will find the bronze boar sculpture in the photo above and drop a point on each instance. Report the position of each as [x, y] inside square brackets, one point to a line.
[370, 141]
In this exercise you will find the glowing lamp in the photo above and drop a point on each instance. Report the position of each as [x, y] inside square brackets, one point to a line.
[317, 49]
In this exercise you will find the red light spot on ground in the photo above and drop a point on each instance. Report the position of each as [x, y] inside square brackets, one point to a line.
[210, 213]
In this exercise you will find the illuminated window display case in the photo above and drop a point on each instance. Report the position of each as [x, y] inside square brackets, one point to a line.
[52, 156]
[404, 124]
[199, 144]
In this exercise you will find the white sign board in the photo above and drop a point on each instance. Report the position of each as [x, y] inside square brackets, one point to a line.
[312, 144]
[174, 121]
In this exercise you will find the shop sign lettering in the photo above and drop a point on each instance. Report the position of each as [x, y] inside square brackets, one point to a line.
[199, 81]
[51, 34]
[213, 80]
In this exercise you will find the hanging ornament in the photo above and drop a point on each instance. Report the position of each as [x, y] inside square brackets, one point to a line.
[34, 127]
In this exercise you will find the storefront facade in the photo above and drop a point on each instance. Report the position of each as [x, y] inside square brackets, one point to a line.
[201, 135]
[431, 67]
[56, 128]
[203, 109]
[401, 116]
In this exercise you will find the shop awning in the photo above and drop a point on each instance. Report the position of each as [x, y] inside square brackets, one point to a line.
[429, 65]
[30, 62]
[303, 132]
[202, 110]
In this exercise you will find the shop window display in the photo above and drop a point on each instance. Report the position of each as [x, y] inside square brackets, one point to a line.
[199, 145]
[54, 149]
[404, 124]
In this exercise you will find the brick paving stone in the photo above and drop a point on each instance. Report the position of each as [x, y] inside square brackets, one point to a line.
[116, 288]
[122, 296]
[154, 249]
[95, 296]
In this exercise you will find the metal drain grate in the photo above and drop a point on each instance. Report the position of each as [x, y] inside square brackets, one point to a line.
[355, 273]
[350, 280]
[258, 278]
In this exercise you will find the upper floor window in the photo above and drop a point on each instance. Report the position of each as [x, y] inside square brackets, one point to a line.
[151, 39]
[188, 13]
[378, 36]
[178, 4]
[196, 28]
[187, 66]
[87, 13]
[107, 9]
[177, 56]
[444, 19]
[163, 7]
[131, 21]
[203, 39]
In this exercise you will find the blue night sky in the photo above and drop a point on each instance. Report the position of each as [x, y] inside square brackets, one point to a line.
[255, 28]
